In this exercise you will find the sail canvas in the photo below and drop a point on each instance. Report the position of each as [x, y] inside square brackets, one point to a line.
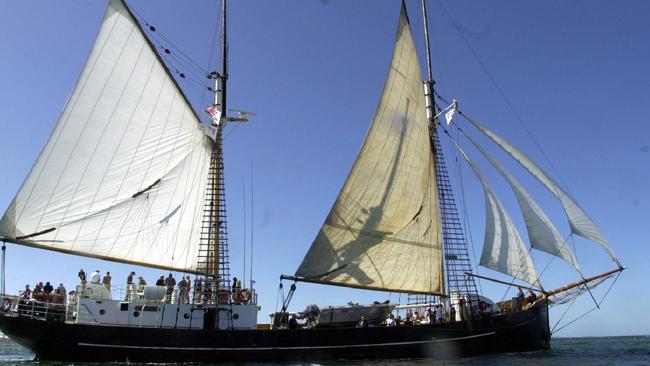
[383, 231]
[122, 176]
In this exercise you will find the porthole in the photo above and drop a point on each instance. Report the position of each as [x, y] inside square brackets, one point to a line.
[136, 314]
[102, 311]
[186, 316]
[235, 316]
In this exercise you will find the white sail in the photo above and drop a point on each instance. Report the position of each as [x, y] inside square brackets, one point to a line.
[123, 174]
[541, 232]
[383, 231]
[579, 221]
[503, 249]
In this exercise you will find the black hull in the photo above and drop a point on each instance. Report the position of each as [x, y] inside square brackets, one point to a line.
[514, 332]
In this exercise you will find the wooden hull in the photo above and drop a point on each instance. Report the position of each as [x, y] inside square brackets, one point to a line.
[514, 332]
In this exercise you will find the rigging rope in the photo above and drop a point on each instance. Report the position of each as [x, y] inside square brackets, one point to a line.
[588, 311]
[503, 95]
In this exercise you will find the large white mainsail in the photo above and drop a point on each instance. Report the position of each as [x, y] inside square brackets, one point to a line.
[383, 231]
[541, 232]
[503, 249]
[123, 174]
[580, 223]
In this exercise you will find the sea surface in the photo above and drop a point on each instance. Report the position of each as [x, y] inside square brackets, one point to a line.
[623, 351]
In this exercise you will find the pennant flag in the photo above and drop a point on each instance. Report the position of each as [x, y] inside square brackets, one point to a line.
[450, 113]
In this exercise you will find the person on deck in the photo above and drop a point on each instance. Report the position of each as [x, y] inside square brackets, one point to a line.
[141, 283]
[26, 294]
[129, 278]
[293, 323]
[48, 288]
[160, 281]
[95, 277]
[170, 282]
[416, 318]
[531, 298]
[439, 313]
[61, 290]
[390, 322]
[363, 323]
[61, 294]
[182, 291]
[107, 281]
[130, 288]
[407, 320]
[188, 288]
[82, 277]
[452, 314]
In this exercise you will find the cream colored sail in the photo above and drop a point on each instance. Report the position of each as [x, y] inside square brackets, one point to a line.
[383, 231]
[123, 174]
[580, 223]
[541, 232]
[503, 249]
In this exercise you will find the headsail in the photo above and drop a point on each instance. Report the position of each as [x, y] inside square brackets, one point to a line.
[503, 249]
[579, 221]
[541, 232]
[123, 174]
[383, 231]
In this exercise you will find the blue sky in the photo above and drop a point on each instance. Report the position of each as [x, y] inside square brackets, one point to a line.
[576, 72]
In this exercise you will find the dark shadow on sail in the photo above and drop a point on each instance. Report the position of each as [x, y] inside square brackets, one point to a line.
[368, 234]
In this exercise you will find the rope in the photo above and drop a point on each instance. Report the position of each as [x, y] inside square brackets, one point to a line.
[503, 95]
[588, 311]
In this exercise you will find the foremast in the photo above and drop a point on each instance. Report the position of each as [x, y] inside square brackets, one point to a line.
[213, 258]
[456, 257]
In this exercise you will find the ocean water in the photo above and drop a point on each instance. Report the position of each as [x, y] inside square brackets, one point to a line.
[595, 351]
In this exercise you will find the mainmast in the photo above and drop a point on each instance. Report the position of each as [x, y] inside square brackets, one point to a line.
[457, 261]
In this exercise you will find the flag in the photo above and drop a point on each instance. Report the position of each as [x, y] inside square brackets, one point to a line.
[215, 115]
[210, 131]
[450, 113]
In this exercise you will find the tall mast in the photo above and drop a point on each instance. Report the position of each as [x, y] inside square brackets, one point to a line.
[224, 64]
[213, 255]
[457, 261]
[221, 242]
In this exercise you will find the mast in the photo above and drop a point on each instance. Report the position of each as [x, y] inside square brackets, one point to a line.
[221, 242]
[213, 258]
[457, 261]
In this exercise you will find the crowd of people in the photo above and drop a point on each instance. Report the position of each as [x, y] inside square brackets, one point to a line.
[203, 290]
[431, 315]
[45, 293]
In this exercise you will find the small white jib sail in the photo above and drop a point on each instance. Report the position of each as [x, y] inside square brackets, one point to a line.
[383, 231]
[123, 175]
[503, 249]
[542, 234]
[580, 223]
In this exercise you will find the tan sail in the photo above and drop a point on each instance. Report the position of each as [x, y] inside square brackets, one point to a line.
[123, 174]
[383, 231]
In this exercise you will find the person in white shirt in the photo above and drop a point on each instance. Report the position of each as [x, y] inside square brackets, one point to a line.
[95, 277]
[390, 322]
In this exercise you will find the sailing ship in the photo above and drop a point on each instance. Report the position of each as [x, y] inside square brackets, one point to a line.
[130, 174]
